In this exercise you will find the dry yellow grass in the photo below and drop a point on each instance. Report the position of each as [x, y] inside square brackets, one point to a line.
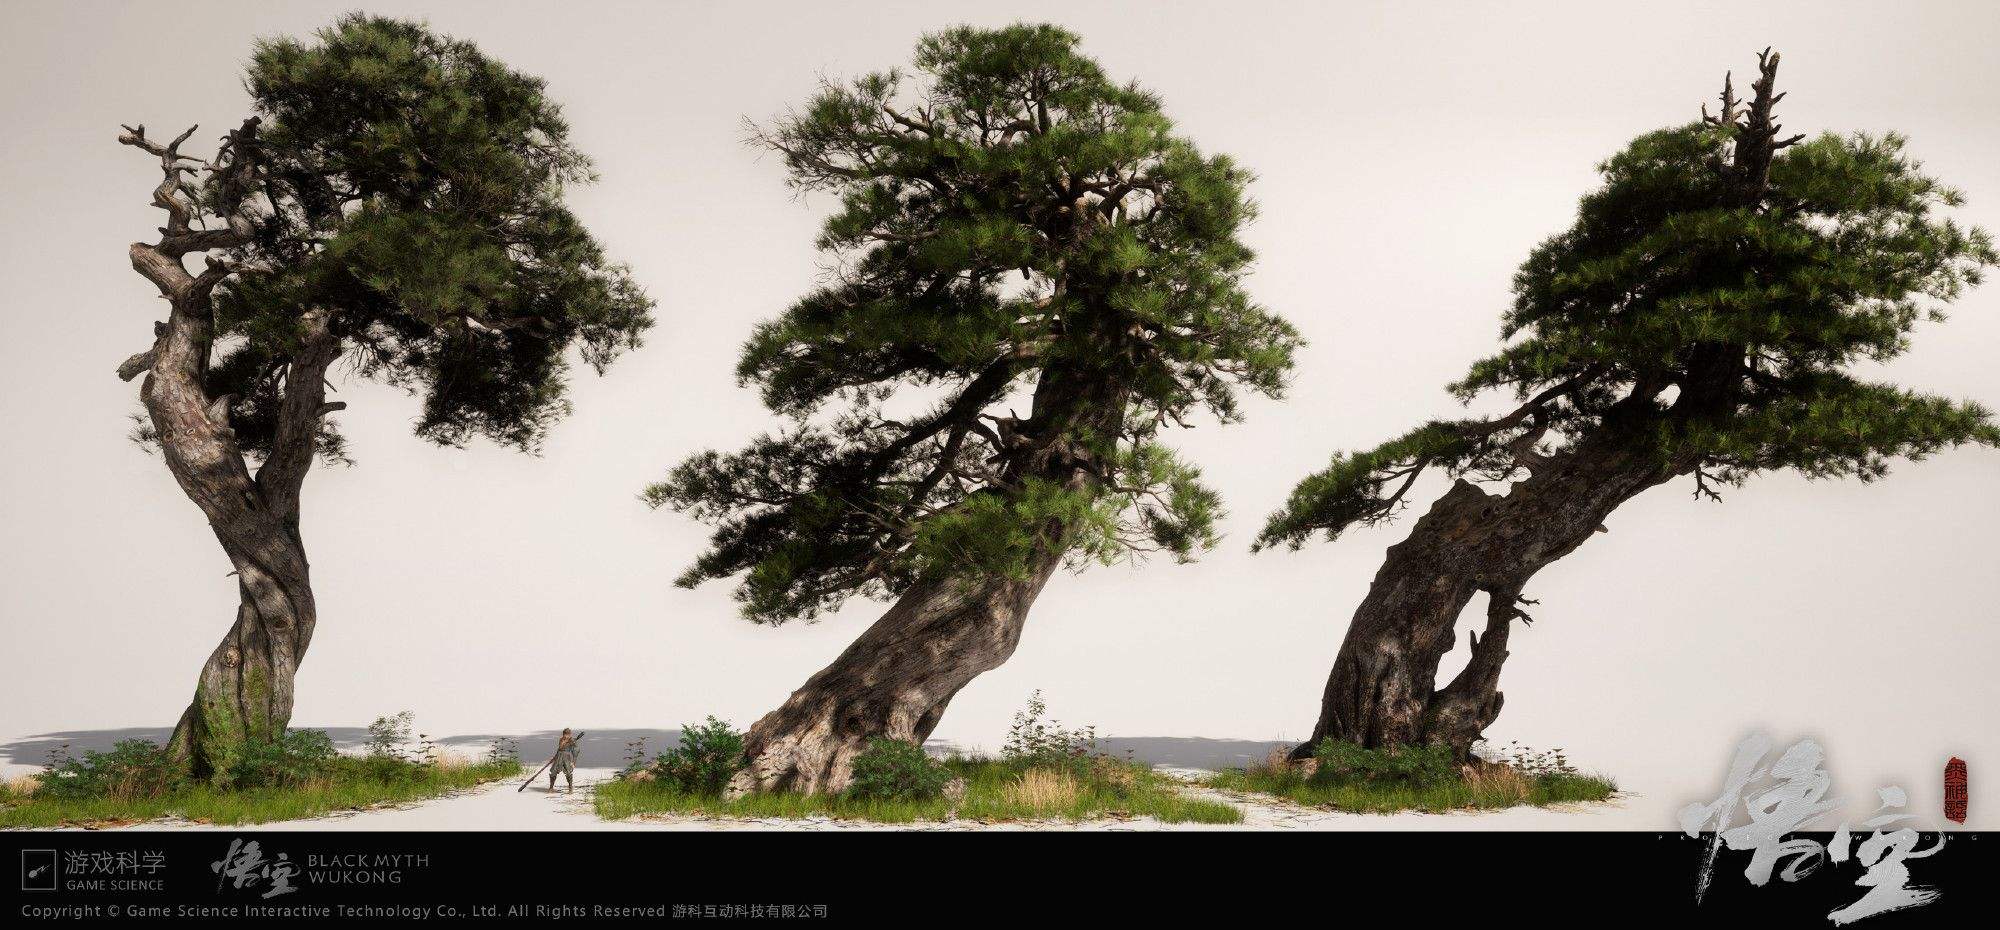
[452, 761]
[20, 786]
[1044, 789]
[1499, 779]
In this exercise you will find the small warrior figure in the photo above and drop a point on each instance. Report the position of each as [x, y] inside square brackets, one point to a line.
[564, 761]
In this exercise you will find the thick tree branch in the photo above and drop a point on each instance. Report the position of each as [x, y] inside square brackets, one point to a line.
[303, 406]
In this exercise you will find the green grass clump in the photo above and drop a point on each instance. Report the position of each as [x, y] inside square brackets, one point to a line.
[293, 775]
[1388, 781]
[994, 791]
[348, 784]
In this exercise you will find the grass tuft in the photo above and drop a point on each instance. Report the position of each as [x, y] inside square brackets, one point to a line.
[1484, 787]
[995, 791]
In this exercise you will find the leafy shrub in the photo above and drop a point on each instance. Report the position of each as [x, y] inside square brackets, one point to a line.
[1418, 766]
[388, 771]
[897, 770]
[294, 758]
[707, 756]
[1036, 743]
[389, 761]
[134, 768]
[387, 735]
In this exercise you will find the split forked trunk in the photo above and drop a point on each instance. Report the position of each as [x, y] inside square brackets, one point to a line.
[1382, 691]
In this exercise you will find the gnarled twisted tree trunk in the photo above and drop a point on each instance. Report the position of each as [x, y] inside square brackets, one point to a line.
[1382, 691]
[244, 692]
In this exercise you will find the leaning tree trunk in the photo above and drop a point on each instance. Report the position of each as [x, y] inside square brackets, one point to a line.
[1382, 691]
[894, 681]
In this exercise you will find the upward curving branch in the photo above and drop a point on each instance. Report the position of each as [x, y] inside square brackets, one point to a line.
[185, 341]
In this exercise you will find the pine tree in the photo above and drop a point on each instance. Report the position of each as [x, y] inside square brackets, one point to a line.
[1013, 229]
[1697, 321]
[395, 202]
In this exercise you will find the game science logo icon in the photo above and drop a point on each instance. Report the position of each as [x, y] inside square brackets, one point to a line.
[38, 870]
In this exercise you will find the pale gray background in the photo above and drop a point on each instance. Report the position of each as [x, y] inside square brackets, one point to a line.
[1408, 155]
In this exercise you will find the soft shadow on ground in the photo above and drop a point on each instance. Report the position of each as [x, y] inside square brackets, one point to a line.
[1190, 752]
[608, 747]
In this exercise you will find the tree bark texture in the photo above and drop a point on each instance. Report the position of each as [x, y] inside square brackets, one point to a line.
[896, 679]
[1382, 691]
[245, 690]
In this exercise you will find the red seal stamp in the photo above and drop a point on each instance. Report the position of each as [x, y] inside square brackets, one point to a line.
[1954, 790]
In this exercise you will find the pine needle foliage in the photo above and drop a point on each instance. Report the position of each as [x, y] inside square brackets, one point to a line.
[1708, 306]
[1012, 227]
[409, 188]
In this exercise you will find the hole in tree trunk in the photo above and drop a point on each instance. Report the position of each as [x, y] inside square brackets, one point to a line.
[1470, 620]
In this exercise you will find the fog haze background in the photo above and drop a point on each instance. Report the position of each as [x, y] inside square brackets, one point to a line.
[1408, 158]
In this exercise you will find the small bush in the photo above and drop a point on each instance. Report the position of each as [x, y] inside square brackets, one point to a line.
[134, 768]
[707, 756]
[387, 735]
[1416, 766]
[1033, 742]
[897, 770]
[387, 771]
[294, 758]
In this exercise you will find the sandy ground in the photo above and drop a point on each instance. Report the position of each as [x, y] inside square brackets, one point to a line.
[500, 806]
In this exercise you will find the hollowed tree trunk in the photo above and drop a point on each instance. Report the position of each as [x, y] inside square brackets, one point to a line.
[894, 681]
[1382, 691]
